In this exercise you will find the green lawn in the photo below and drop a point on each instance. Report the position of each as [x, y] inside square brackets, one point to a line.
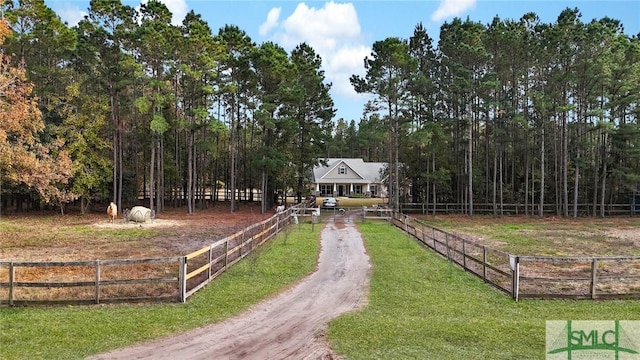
[74, 332]
[422, 307]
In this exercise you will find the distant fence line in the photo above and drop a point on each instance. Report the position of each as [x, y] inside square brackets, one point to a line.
[376, 212]
[515, 209]
[532, 277]
[131, 280]
[221, 194]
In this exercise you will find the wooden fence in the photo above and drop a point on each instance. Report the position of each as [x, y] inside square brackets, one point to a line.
[376, 212]
[528, 277]
[198, 268]
[515, 209]
[88, 281]
[130, 280]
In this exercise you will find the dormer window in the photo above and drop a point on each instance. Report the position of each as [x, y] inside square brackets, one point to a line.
[342, 170]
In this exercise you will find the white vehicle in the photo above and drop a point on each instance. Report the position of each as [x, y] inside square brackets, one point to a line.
[330, 202]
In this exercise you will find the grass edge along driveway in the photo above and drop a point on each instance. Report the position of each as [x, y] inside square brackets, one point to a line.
[421, 307]
[74, 332]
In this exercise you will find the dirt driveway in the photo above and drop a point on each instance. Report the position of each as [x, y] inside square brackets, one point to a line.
[291, 325]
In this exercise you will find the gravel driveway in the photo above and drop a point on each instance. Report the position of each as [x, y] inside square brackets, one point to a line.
[291, 325]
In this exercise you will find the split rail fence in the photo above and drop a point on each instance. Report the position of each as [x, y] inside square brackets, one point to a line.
[516, 209]
[532, 277]
[131, 280]
[376, 212]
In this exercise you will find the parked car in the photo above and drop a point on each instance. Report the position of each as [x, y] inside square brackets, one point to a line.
[330, 202]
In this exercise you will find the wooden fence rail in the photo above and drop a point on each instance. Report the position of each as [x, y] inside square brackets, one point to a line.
[579, 277]
[376, 212]
[540, 277]
[96, 281]
[200, 267]
[515, 209]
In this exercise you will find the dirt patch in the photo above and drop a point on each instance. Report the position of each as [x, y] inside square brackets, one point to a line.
[43, 236]
[289, 326]
[522, 235]
[606, 239]
[51, 237]
[632, 236]
[155, 223]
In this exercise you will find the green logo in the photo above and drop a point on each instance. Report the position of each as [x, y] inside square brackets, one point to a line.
[573, 339]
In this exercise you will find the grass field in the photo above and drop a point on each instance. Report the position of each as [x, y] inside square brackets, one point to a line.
[549, 236]
[75, 332]
[422, 307]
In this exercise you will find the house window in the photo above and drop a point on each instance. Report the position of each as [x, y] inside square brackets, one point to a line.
[326, 190]
[342, 170]
[374, 190]
[357, 189]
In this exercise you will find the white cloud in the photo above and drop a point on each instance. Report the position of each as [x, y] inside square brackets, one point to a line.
[178, 9]
[271, 22]
[451, 8]
[334, 32]
[321, 28]
[347, 61]
[70, 14]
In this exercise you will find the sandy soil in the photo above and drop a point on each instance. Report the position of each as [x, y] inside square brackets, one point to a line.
[174, 232]
[289, 326]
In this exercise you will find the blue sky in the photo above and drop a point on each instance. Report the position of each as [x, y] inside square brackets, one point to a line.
[343, 32]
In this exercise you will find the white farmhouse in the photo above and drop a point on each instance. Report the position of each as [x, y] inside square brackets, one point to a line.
[349, 177]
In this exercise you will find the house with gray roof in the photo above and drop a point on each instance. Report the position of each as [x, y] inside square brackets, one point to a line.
[349, 177]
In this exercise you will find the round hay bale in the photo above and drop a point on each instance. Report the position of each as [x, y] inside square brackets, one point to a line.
[139, 214]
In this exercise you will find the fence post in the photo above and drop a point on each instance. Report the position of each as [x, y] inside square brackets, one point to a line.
[433, 237]
[517, 278]
[97, 281]
[594, 271]
[210, 261]
[226, 252]
[12, 279]
[242, 243]
[446, 239]
[252, 239]
[484, 263]
[183, 279]
[464, 254]
[514, 262]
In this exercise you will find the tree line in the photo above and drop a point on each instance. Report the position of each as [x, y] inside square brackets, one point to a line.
[514, 111]
[136, 103]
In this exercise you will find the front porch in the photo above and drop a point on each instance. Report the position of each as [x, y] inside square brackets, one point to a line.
[347, 189]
